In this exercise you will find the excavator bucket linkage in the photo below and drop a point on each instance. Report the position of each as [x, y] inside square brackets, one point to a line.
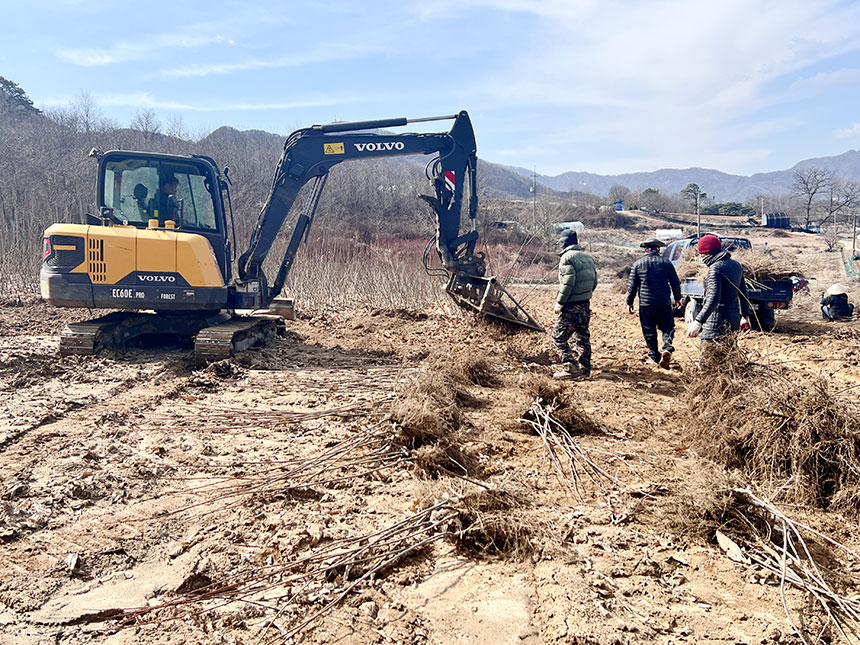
[486, 296]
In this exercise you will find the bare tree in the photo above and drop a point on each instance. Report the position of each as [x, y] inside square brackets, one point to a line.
[85, 115]
[146, 122]
[841, 196]
[176, 127]
[652, 199]
[618, 193]
[831, 239]
[809, 184]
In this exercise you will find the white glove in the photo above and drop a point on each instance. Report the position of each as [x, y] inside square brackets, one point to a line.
[557, 308]
[745, 325]
[694, 329]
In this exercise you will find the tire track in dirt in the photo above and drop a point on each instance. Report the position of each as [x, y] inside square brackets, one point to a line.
[65, 401]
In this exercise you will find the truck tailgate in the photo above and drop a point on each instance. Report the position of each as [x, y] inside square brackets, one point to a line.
[770, 290]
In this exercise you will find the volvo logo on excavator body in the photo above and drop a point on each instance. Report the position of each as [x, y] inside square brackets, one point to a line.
[148, 277]
[379, 147]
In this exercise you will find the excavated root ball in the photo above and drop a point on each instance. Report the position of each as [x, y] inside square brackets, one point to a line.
[495, 522]
[428, 412]
[559, 401]
[444, 458]
[426, 408]
[791, 436]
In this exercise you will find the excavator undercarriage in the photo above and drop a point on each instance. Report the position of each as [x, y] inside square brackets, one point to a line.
[215, 337]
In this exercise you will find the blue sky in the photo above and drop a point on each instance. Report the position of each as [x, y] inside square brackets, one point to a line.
[605, 86]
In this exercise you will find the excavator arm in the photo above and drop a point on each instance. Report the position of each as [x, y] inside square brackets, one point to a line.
[311, 152]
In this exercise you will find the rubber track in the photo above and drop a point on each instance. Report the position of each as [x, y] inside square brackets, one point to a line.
[222, 341]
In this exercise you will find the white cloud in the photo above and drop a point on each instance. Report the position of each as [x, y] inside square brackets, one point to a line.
[137, 50]
[143, 99]
[678, 50]
[323, 55]
[846, 133]
[697, 82]
[826, 81]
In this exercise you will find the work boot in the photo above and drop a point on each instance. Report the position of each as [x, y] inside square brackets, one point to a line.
[666, 360]
[569, 371]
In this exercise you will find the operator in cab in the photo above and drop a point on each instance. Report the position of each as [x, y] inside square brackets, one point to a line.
[166, 206]
[726, 307]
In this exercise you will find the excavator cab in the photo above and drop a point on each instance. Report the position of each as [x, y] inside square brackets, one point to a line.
[159, 242]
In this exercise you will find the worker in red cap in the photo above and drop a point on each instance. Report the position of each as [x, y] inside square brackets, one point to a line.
[726, 307]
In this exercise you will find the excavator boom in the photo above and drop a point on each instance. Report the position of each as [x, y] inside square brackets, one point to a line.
[311, 152]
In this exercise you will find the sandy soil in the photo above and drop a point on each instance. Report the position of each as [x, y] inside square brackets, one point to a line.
[131, 480]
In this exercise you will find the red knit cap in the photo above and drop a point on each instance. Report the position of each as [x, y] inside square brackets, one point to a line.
[709, 244]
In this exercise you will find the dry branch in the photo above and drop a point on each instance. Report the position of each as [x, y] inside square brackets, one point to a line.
[567, 458]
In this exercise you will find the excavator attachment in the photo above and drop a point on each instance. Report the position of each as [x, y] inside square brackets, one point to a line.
[486, 296]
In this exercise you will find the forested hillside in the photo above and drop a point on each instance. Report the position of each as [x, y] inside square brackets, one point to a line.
[46, 177]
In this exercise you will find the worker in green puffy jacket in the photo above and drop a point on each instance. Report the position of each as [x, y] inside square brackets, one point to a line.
[577, 279]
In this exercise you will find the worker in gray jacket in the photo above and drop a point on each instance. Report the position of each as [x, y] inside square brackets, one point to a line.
[726, 307]
[656, 282]
[577, 278]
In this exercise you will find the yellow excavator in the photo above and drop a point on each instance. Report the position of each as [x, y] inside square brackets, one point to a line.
[160, 248]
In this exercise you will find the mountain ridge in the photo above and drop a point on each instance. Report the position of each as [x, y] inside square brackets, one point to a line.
[500, 180]
[721, 186]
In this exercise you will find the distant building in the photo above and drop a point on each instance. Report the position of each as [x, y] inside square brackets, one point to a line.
[775, 220]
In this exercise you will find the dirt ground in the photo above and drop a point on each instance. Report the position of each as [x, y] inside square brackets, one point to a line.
[138, 479]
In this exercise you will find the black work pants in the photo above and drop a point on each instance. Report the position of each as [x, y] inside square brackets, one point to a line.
[652, 318]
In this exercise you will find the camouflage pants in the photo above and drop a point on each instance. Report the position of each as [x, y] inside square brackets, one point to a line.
[573, 321]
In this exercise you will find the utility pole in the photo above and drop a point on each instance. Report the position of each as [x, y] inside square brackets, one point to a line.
[854, 236]
[534, 198]
[698, 217]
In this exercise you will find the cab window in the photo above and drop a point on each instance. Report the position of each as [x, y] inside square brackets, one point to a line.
[142, 189]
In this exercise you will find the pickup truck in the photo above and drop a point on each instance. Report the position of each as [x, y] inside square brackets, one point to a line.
[765, 295]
